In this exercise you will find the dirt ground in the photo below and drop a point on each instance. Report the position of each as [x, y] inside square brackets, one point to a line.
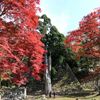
[64, 98]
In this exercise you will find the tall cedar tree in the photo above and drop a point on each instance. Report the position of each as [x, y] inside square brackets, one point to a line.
[19, 39]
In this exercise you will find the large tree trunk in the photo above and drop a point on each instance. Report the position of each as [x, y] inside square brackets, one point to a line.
[48, 86]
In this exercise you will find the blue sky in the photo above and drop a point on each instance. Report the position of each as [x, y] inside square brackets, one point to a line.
[66, 14]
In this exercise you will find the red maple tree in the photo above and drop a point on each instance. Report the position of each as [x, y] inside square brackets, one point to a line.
[86, 39]
[19, 40]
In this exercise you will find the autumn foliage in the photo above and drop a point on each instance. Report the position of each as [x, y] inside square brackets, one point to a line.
[21, 49]
[85, 41]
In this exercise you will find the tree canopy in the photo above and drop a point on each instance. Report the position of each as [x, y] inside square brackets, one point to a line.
[21, 49]
[86, 40]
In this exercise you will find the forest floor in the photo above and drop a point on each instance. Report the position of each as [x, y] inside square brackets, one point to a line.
[66, 98]
[71, 91]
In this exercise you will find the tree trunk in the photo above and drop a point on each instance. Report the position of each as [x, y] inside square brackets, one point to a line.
[48, 86]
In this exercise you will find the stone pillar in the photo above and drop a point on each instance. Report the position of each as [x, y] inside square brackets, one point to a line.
[25, 92]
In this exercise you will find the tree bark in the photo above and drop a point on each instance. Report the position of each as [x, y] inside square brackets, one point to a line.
[48, 86]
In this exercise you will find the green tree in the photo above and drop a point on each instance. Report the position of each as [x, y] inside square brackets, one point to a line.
[54, 42]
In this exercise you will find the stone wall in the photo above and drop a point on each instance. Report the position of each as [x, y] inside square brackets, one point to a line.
[13, 93]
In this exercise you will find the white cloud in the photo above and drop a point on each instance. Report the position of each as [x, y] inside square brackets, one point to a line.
[60, 21]
[65, 14]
